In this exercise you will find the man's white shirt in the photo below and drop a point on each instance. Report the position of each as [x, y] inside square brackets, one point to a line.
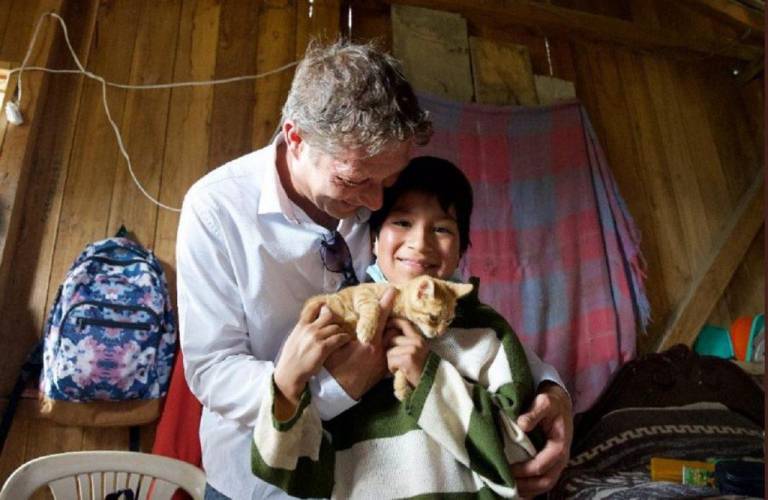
[247, 258]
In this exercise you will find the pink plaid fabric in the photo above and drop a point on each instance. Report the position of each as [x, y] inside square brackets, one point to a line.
[553, 244]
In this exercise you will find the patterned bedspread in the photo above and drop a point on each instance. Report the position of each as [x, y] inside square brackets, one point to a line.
[613, 459]
[674, 404]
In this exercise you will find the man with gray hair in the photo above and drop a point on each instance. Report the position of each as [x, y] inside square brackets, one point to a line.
[263, 233]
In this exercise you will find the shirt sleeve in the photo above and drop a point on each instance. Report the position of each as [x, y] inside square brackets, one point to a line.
[220, 368]
[329, 397]
[541, 371]
[294, 455]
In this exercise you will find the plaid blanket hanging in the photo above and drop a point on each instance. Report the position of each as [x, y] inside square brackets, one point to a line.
[552, 241]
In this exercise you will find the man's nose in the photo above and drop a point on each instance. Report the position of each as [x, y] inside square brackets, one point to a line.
[372, 199]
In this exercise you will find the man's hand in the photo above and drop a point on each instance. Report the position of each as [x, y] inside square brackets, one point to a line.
[313, 338]
[408, 350]
[357, 367]
[552, 411]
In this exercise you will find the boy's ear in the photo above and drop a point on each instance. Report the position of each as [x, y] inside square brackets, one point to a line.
[375, 245]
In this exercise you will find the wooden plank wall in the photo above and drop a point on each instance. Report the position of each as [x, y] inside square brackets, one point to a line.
[684, 140]
[81, 189]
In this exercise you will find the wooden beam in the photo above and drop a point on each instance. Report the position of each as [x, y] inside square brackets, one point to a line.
[709, 285]
[570, 23]
[731, 12]
[18, 143]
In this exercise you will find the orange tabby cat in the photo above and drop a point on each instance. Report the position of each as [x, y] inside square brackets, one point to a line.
[429, 303]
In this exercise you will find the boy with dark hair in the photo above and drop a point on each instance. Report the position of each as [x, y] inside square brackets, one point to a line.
[457, 431]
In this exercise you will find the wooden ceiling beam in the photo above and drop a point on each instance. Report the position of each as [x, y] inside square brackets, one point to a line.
[731, 12]
[709, 285]
[569, 23]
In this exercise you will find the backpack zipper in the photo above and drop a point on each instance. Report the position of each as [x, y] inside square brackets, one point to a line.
[146, 309]
[108, 323]
[116, 262]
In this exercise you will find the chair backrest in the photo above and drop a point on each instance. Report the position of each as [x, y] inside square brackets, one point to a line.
[92, 475]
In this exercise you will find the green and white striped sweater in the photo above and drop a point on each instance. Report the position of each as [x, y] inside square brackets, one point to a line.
[455, 436]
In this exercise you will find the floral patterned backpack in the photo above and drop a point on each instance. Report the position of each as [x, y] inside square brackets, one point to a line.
[110, 338]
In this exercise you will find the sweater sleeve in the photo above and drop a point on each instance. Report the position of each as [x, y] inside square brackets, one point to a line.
[472, 412]
[294, 455]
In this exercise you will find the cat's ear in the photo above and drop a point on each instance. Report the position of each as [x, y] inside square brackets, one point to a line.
[459, 289]
[426, 288]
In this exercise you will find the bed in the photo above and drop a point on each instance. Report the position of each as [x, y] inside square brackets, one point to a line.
[675, 404]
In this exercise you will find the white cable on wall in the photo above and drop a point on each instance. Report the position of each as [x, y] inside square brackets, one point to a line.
[12, 108]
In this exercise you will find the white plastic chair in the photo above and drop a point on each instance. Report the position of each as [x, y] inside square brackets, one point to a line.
[91, 475]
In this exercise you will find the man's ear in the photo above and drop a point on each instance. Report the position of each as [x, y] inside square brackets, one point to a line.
[292, 137]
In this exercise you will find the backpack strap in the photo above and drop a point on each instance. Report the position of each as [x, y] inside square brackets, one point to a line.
[134, 438]
[30, 370]
[127, 494]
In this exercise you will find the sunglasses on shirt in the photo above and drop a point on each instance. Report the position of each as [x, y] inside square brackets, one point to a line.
[336, 258]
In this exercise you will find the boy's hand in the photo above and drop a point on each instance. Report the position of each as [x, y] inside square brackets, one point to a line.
[312, 340]
[356, 366]
[551, 410]
[408, 350]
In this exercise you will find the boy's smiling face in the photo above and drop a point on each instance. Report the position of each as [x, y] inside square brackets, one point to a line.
[417, 237]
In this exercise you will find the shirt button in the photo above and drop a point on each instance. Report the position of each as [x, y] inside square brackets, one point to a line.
[334, 282]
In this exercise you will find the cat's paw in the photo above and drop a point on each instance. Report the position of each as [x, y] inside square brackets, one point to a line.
[402, 388]
[365, 331]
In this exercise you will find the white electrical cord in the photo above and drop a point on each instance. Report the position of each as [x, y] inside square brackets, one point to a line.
[12, 107]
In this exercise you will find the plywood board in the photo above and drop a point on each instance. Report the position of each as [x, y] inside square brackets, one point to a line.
[95, 156]
[16, 165]
[19, 22]
[232, 117]
[186, 150]
[550, 89]
[599, 75]
[696, 235]
[434, 50]
[577, 24]
[316, 20]
[14, 450]
[276, 43]
[144, 122]
[371, 21]
[502, 73]
[711, 280]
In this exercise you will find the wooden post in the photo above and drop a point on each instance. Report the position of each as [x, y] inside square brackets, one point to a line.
[18, 145]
